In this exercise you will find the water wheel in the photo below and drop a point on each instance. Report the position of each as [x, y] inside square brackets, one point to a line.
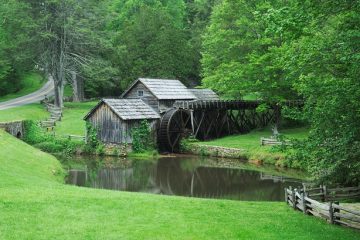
[175, 124]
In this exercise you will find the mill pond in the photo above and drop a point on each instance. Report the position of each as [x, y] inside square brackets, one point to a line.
[183, 176]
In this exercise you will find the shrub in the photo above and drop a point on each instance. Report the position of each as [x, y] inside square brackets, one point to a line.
[48, 142]
[141, 137]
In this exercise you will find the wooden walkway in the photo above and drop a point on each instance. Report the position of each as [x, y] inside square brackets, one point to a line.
[211, 119]
[231, 104]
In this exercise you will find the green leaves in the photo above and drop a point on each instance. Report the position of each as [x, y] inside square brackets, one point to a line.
[290, 50]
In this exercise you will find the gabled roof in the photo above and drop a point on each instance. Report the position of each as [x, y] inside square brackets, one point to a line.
[127, 109]
[205, 94]
[164, 89]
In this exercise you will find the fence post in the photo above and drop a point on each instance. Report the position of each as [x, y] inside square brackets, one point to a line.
[325, 193]
[294, 198]
[331, 213]
[303, 202]
[336, 210]
[322, 193]
[286, 196]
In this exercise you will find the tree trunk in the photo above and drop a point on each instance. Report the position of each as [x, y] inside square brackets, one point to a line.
[59, 92]
[78, 87]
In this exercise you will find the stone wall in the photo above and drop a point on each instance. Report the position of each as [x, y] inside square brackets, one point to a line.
[14, 128]
[112, 149]
[215, 151]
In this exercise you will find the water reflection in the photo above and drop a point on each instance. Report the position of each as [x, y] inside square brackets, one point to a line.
[184, 177]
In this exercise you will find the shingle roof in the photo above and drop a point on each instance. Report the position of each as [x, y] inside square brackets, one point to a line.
[165, 89]
[205, 94]
[128, 109]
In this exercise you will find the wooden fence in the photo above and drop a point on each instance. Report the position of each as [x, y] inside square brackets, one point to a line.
[308, 201]
[273, 141]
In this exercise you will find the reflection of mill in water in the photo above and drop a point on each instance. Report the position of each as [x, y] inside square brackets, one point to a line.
[186, 178]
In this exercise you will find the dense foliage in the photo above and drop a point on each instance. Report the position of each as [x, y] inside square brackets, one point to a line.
[141, 138]
[295, 49]
[48, 142]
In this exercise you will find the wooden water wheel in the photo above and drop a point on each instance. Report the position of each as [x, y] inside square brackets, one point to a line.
[174, 125]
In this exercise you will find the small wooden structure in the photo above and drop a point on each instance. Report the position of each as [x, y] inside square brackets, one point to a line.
[114, 119]
[160, 94]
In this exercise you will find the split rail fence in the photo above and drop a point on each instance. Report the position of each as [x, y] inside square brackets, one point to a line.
[323, 202]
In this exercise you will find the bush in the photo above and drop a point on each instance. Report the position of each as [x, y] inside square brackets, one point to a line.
[36, 136]
[51, 147]
[141, 137]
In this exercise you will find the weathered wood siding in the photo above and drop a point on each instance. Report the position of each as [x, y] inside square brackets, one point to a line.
[147, 97]
[111, 128]
[164, 105]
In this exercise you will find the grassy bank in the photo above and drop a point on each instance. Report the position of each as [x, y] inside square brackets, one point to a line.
[29, 83]
[72, 121]
[33, 111]
[34, 204]
[250, 147]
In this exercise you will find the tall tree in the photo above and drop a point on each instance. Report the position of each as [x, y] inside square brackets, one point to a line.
[17, 41]
[325, 63]
[151, 40]
[71, 41]
[243, 45]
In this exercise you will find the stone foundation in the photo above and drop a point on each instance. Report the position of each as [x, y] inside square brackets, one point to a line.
[112, 149]
[14, 128]
[215, 151]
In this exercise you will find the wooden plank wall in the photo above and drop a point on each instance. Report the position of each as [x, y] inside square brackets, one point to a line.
[148, 97]
[112, 129]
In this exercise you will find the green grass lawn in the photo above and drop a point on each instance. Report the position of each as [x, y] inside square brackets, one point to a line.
[72, 121]
[250, 143]
[33, 111]
[30, 83]
[252, 139]
[35, 204]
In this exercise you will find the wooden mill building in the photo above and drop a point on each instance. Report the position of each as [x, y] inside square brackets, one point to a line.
[161, 94]
[115, 118]
[146, 99]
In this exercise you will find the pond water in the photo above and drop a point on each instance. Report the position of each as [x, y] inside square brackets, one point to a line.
[184, 176]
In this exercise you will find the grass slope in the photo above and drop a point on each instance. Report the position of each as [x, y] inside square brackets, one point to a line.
[30, 83]
[72, 121]
[33, 111]
[250, 143]
[34, 204]
[252, 139]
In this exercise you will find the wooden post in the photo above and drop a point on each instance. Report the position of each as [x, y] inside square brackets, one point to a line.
[325, 193]
[286, 196]
[331, 213]
[192, 122]
[336, 210]
[303, 202]
[294, 198]
[322, 195]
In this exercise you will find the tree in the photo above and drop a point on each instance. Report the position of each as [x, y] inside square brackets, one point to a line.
[326, 63]
[151, 40]
[17, 42]
[71, 40]
[243, 45]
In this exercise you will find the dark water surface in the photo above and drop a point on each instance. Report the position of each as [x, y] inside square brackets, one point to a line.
[184, 176]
